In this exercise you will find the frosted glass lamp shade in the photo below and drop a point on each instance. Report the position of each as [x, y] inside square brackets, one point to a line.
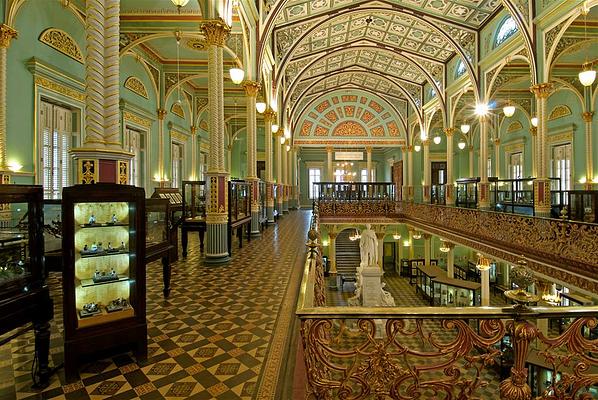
[260, 106]
[509, 110]
[534, 122]
[282, 140]
[465, 128]
[461, 145]
[417, 147]
[275, 128]
[180, 3]
[437, 139]
[236, 75]
[587, 76]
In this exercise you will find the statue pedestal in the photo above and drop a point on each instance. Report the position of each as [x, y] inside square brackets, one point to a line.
[371, 286]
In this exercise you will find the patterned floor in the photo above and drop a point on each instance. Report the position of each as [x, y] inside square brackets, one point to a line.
[222, 333]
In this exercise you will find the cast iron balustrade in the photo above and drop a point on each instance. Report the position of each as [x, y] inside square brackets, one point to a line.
[439, 352]
[351, 199]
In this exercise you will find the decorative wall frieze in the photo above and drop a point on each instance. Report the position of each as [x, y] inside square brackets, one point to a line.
[129, 116]
[514, 127]
[62, 42]
[177, 136]
[177, 109]
[135, 85]
[559, 111]
[59, 88]
[560, 137]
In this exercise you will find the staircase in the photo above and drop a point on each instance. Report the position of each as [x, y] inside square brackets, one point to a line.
[347, 256]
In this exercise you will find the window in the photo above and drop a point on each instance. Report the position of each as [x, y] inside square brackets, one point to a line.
[460, 69]
[561, 166]
[516, 168]
[489, 166]
[176, 158]
[314, 177]
[339, 175]
[56, 138]
[507, 29]
[135, 143]
[203, 166]
[364, 175]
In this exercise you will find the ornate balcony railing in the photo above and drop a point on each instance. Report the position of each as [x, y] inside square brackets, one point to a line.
[355, 199]
[438, 352]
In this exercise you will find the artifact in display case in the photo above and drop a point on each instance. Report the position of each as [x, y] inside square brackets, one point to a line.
[175, 199]
[194, 212]
[583, 206]
[239, 211]
[451, 292]
[24, 295]
[104, 274]
[157, 237]
[467, 192]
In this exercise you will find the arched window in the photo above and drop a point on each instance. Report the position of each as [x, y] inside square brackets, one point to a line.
[460, 70]
[506, 29]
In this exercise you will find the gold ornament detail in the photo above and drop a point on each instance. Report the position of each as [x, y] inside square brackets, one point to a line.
[6, 35]
[196, 44]
[514, 126]
[59, 88]
[587, 116]
[542, 90]
[349, 128]
[251, 88]
[216, 32]
[128, 116]
[88, 173]
[62, 42]
[176, 109]
[161, 113]
[135, 85]
[178, 136]
[123, 172]
[559, 112]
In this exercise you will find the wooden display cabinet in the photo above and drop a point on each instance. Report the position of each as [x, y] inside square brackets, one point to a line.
[104, 271]
[239, 211]
[194, 213]
[175, 198]
[157, 237]
[24, 295]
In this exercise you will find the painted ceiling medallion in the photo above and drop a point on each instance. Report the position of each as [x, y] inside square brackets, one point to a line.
[196, 44]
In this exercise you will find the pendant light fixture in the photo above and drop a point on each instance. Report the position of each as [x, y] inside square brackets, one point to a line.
[509, 108]
[465, 128]
[178, 37]
[260, 104]
[461, 144]
[236, 74]
[179, 4]
[534, 122]
[275, 127]
[437, 139]
[587, 76]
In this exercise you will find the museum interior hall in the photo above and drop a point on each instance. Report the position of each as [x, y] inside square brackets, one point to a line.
[293, 199]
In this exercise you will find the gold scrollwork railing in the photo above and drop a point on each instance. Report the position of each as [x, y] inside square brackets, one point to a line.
[440, 352]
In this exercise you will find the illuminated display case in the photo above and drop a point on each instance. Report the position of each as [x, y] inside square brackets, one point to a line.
[24, 296]
[104, 270]
[451, 292]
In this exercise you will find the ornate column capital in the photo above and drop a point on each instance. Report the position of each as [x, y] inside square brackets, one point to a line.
[332, 235]
[427, 236]
[216, 32]
[269, 115]
[426, 142]
[368, 149]
[329, 149]
[587, 116]
[6, 34]
[496, 141]
[449, 131]
[542, 90]
[252, 88]
[471, 147]
[410, 148]
[161, 113]
[533, 131]
[193, 129]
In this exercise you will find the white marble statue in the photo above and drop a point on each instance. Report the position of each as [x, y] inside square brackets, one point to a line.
[368, 245]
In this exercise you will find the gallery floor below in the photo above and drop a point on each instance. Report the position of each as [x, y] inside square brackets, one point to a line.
[225, 332]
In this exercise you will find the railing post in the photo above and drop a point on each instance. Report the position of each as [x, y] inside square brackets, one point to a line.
[515, 387]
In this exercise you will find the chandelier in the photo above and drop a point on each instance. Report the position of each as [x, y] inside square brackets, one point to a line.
[355, 236]
[483, 263]
[344, 172]
[444, 246]
[417, 235]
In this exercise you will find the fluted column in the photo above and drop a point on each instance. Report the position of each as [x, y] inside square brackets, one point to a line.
[329, 170]
[427, 173]
[216, 32]
[6, 35]
[279, 186]
[410, 173]
[368, 151]
[268, 118]
[251, 90]
[411, 245]
[587, 119]
[112, 74]
[194, 149]
[332, 253]
[285, 176]
[450, 188]
[484, 186]
[161, 115]
[485, 275]
[542, 183]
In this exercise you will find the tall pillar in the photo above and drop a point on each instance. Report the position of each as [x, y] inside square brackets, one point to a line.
[295, 176]
[404, 174]
[484, 186]
[450, 260]
[587, 119]
[329, 171]
[252, 89]
[411, 245]
[485, 274]
[161, 113]
[368, 151]
[101, 157]
[194, 151]
[450, 188]
[380, 236]
[268, 119]
[332, 252]
[542, 183]
[279, 183]
[410, 175]
[6, 34]
[427, 248]
[427, 174]
[216, 32]
[534, 146]
[497, 157]
[284, 180]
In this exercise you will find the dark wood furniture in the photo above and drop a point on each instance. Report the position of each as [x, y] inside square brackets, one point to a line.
[24, 295]
[239, 211]
[157, 237]
[583, 206]
[414, 264]
[53, 234]
[263, 218]
[193, 217]
[451, 292]
[175, 198]
[104, 271]
[517, 195]
[425, 274]
[467, 193]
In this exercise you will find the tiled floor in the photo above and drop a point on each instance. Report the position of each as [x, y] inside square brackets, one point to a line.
[221, 334]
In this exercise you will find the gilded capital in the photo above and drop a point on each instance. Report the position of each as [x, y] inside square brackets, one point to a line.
[496, 141]
[329, 149]
[368, 149]
[269, 115]
[6, 34]
[587, 116]
[216, 32]
[449, 131]
[161, 113]
[542, 90]
[533, 130]
[193, 129]
[251, 88]
[410, 148]
[427, 236]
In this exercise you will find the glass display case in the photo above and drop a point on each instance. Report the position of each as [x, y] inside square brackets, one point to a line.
[103, 241]
[263, 211]
[157, 236]
[415, 263]
[193, 217]
[467, 193]
[425, 275]
[175, 198]
[583, 206]
[53, 234]
[239, 211]
[24, 296]
[450, 292]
